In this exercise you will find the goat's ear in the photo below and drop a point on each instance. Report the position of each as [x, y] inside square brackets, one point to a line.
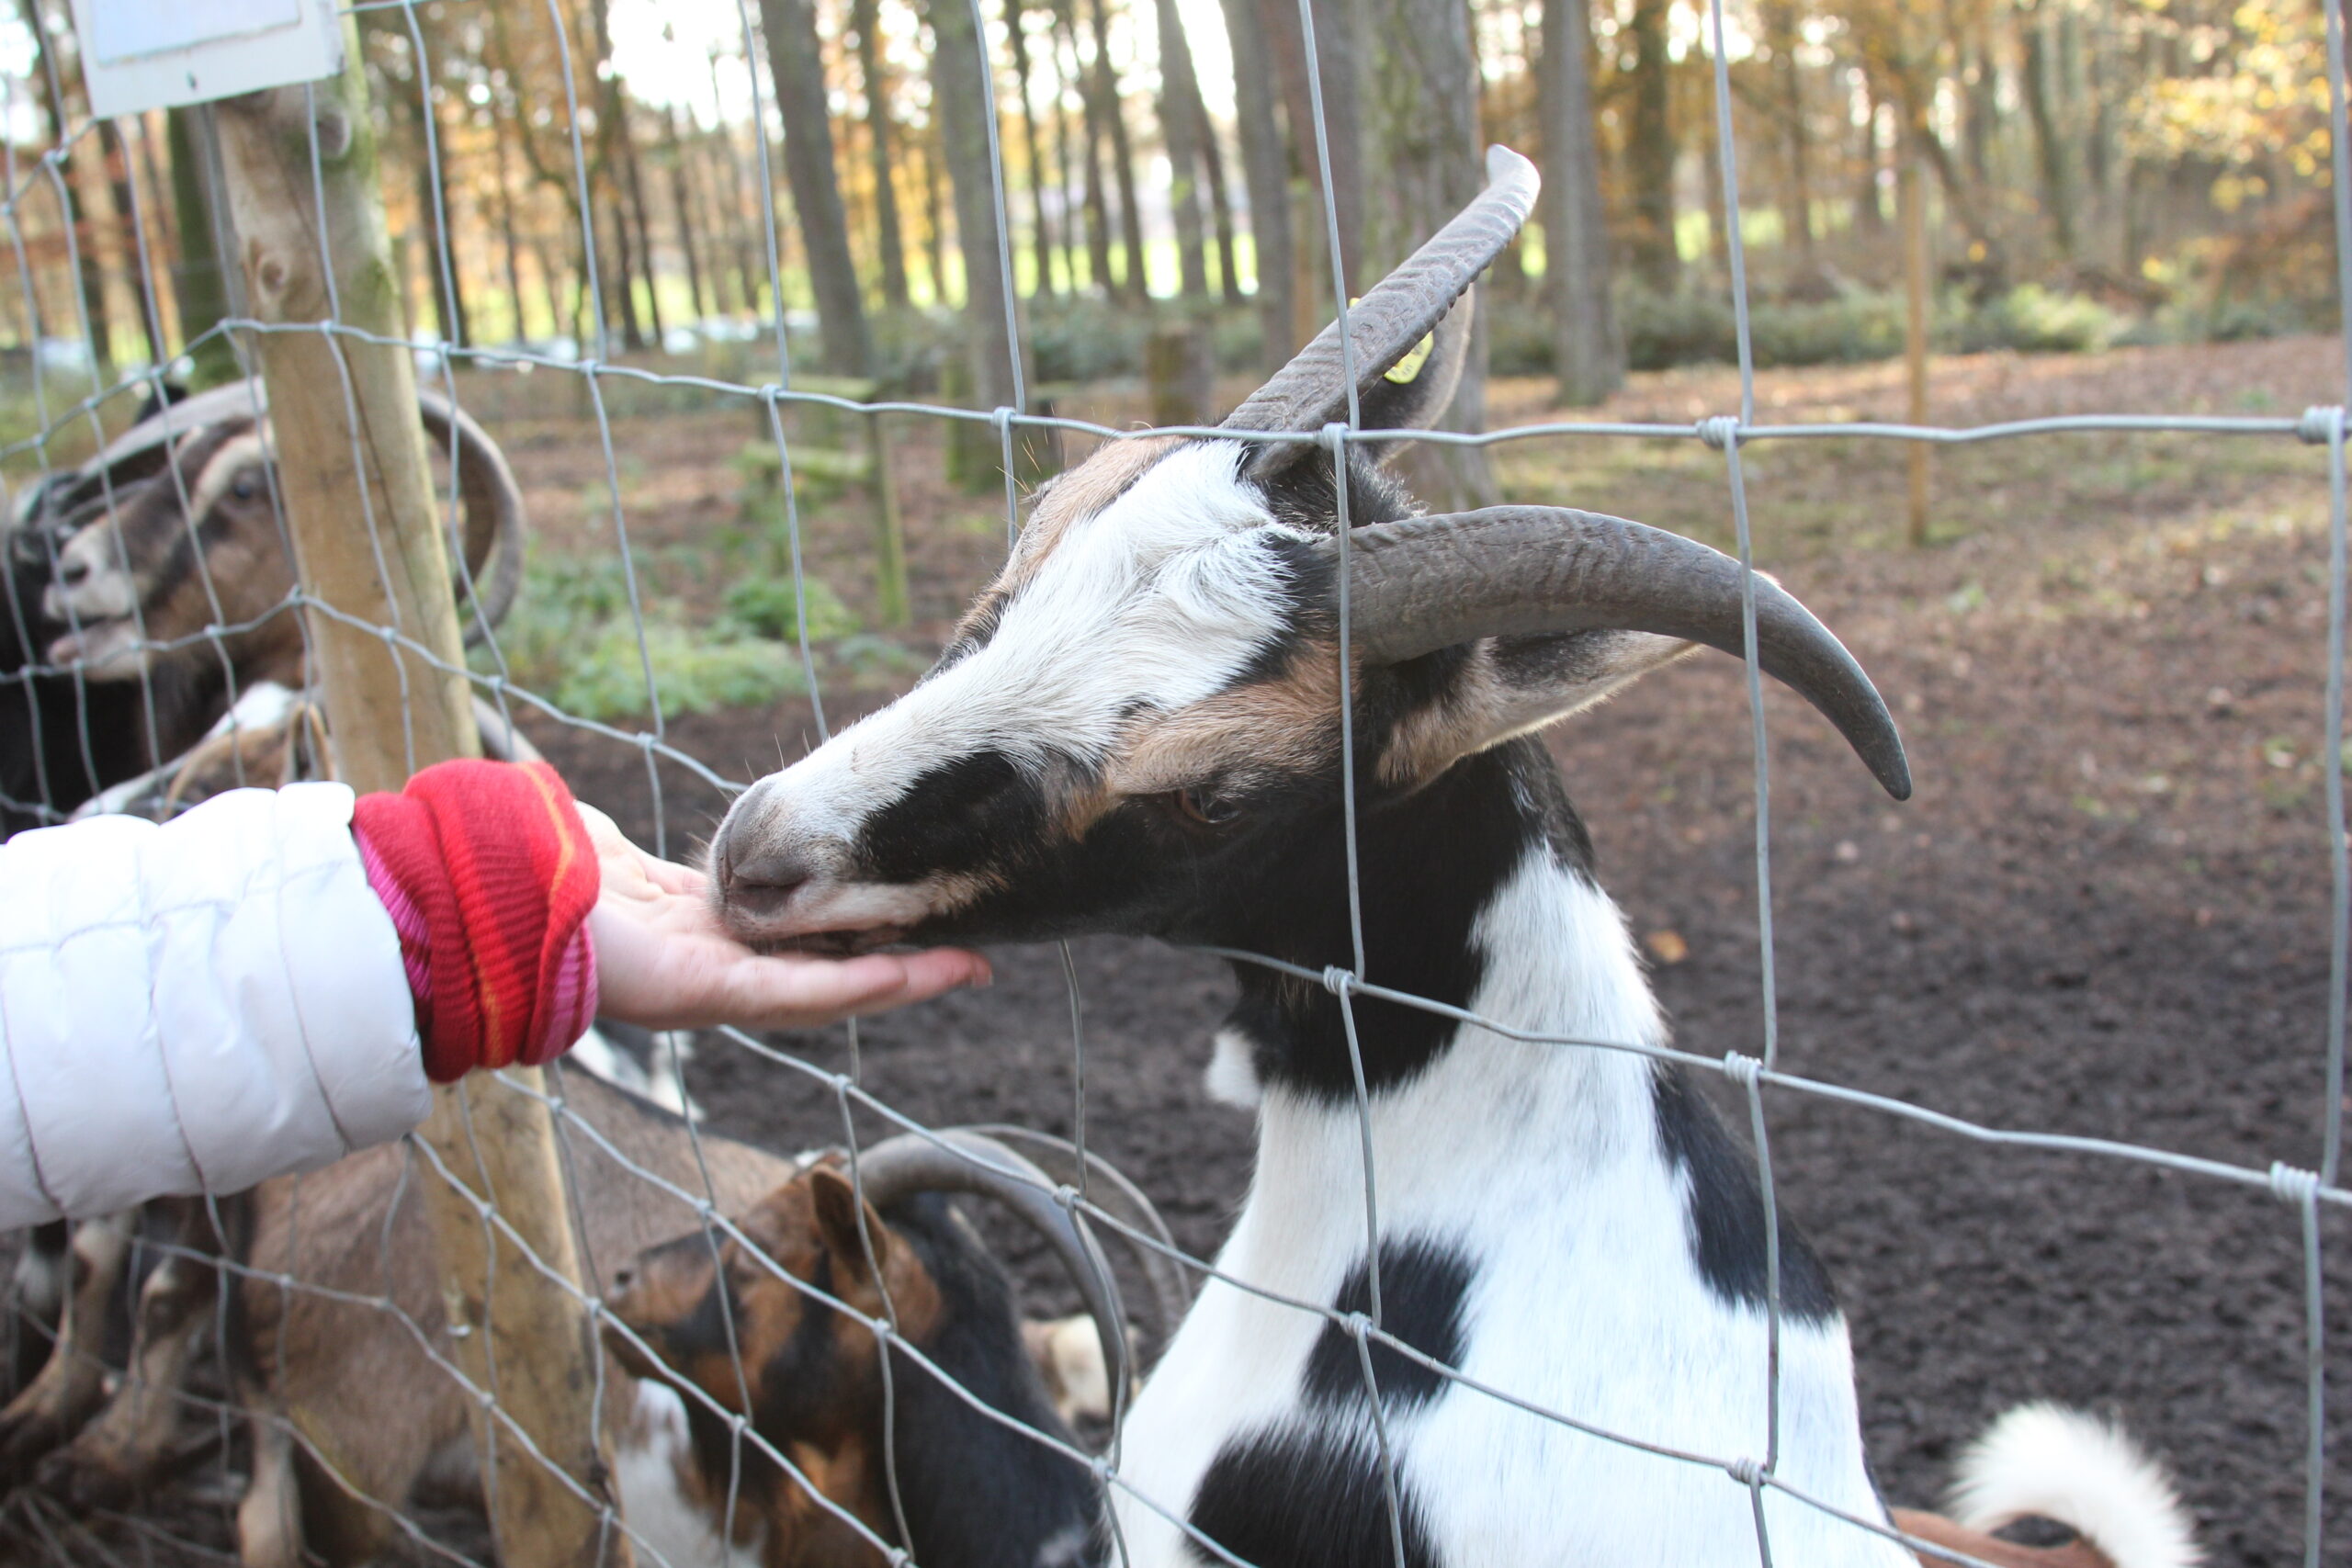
[834, 1204]
[1505, 687]
[1416, 391]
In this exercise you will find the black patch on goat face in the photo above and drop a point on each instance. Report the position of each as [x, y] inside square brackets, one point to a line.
[1725, 1208]
[1422, 1285]
[1312, 1498]
[962, 816]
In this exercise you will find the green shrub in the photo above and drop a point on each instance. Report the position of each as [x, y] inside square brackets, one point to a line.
[571, 639]
[2034, 320]
[767, 606]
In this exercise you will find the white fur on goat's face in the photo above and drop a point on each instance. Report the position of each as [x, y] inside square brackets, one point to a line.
[1148, 584]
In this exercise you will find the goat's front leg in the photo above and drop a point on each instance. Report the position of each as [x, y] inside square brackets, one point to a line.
[128, 1443]
[72, 1383]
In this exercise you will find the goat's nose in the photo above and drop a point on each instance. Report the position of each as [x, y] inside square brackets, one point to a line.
[762, 879]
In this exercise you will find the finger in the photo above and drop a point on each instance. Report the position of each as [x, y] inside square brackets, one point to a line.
[672, 877]
[803, 991]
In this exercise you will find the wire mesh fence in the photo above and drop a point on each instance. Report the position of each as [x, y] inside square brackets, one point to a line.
[326, 1280]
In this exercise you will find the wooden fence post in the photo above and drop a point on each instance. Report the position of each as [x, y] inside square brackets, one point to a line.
[390, 709]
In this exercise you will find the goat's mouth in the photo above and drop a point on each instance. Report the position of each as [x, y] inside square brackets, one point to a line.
[106, 650]
[832, 944]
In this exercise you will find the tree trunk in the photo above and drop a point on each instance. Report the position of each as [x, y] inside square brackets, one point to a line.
[1221, 213]
[1869, 218]
[890, 244]
[2057, 184]
[1266, 167]
[511, 239]
[200, 283]
[959, 96]
[448, 283]
[1335, 55]
[1588, 351]
[1650, 150]
[1041, 230]
[681, 201]
[1419, 107]
[1137, 281]
[1780, 28]
[796, 65]
[1066, 172]
[748, 245]
[1098, 201]
[934, 213]
[633, 175]
[1185, 124]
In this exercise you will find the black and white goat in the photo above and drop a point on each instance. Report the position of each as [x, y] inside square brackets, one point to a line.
[1138, 729]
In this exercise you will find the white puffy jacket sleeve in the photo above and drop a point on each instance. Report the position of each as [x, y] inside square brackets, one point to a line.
[196, 1006]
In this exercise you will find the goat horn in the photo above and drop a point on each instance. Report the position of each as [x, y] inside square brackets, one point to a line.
[973, 1163]
[1403, 308]
[1430, 583]
[495, 524]
[1109, 1189]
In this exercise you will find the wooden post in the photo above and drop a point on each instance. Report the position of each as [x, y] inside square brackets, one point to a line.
[1912, 198]
[392, 710]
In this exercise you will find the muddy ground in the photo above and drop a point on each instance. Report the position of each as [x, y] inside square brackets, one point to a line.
[2105, 912]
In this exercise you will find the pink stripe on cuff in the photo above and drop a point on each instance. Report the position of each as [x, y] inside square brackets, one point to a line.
[572, 1003]
[416, 937]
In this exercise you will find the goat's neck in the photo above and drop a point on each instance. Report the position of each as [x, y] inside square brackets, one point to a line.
[1476, 892]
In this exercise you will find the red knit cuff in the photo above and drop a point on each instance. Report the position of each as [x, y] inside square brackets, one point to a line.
[489, 876]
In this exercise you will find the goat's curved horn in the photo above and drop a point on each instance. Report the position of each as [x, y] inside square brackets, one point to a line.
[1430, 583]
[984, 1167]
[494, 523]
[1108, 1189]
[1403, 308]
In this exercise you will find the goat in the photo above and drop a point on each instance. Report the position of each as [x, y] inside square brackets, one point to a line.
[1138, 729]
[971, 1494]
[357, 1231]
[116, 570]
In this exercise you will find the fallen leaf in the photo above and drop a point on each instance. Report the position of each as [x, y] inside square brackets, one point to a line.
[1667, 946]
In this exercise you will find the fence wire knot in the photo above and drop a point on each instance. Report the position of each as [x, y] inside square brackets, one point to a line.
[1719, 430]
[2292, 1184]
[2321, 423]
[1337, 980]
[1741, 1068]
[1746, 1471]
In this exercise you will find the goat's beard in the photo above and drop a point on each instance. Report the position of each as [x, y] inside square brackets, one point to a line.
[833, 944]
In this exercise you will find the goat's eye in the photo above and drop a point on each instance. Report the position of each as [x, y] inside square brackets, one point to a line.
[1204, 806]
[244, 487]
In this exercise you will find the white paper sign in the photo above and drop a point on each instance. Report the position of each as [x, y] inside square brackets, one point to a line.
[144, 54]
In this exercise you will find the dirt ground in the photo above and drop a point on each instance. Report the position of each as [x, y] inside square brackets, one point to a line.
[2104, 913]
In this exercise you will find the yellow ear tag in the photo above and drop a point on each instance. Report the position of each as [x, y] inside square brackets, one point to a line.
[1405, 370]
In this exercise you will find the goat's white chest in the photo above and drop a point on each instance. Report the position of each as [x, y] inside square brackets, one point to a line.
[1538, 1169]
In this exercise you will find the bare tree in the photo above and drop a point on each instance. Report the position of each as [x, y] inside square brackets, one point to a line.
[1650, 150]
[1335, 52]
[865, 17]
[1418, 78]
[1589, 353]
[1185, 126]
[796, 65]
[959, 101]
[684, 204]
[1041, 233]
[1123, 156]
[633, 182]
[1781, 33]
[1098, 201]
[1266, 167]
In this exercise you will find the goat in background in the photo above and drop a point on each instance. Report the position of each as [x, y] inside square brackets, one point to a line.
[1138, 729]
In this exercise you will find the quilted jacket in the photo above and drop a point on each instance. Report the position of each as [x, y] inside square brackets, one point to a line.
[196, 1006]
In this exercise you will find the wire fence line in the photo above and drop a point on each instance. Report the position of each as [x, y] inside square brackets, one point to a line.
[1751, 1073]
